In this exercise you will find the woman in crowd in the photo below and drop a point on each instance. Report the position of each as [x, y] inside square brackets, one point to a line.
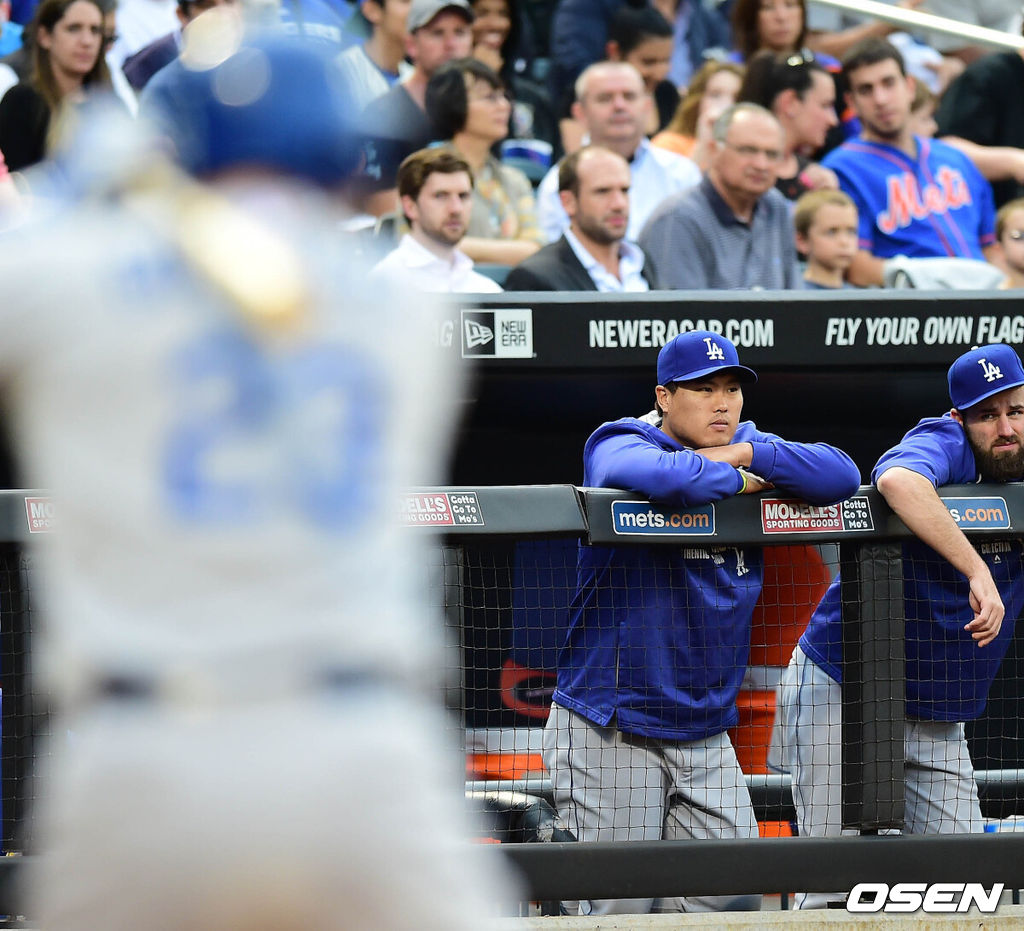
[469, 107]
[643, 37]
[778, 26]
[801, 94]
[781, 26]
[68, 63]
[495, 40]
[712, 90]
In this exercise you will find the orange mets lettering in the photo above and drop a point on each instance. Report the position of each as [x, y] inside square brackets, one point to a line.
[905, 202]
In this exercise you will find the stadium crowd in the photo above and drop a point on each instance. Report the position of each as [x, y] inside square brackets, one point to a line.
[921, 134]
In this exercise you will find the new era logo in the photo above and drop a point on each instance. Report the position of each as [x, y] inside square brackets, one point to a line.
[477, 334]
[502, 333]
[990, 370]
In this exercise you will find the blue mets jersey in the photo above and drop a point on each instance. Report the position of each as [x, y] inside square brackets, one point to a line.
[935, 205]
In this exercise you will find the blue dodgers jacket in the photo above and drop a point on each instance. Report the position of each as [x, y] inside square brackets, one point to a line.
[948, 675]
[659, 636]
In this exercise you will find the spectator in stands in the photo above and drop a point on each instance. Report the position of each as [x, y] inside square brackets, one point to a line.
[826, 233]
[68, 63]
[960, 603]
[802, 95]
[579, 32]
[436, 190]
[659, 636]
[643, 37]
[469, 106]
[496, 37]
[1010, 236]
[375, 65]
[985, 105]
[778, 26]
[915, 197]
[783, 26]
[713, 89]
[140, 66]
[612, 105]
[593, 253]
[397, 122]
[733, 230]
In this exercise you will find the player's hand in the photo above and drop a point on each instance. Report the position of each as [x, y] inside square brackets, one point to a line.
[737, 455]
[987, 607]
[754, 483]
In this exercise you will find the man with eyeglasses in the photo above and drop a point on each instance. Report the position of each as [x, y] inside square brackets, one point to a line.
[733, 230]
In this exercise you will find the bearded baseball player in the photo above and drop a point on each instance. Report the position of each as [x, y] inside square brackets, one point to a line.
[659, 636]
[238, 638]
[956, 597]
[915, 197]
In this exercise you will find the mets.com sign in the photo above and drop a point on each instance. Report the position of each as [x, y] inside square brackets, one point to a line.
[639, 517]
[979, 513]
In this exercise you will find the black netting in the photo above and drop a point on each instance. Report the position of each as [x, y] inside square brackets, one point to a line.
[23, 717]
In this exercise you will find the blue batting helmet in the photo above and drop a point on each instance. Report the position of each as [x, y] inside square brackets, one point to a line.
[277, 102]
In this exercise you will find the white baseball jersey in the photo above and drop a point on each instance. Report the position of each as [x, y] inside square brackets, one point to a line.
[228, 532]
[226, 495]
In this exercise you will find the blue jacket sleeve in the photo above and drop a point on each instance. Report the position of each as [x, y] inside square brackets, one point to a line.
[676, 477]
[936, 448]
[814, 472]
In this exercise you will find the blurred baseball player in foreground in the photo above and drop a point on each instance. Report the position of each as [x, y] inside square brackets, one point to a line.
[659, 636]
[960, 601]
[237, 634]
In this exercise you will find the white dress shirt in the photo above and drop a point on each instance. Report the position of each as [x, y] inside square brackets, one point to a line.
[415, 264]
[654, 174]
[631, 263]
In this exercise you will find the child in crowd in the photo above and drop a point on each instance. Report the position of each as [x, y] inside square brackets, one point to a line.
[826, 232]
[922, 112]
[1010, 236]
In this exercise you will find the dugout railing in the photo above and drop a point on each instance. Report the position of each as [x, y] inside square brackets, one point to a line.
[477, 587]
[482, 523]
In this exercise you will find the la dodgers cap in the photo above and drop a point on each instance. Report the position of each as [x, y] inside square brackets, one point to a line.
[983, 372]
[423, 11]
[698, 354]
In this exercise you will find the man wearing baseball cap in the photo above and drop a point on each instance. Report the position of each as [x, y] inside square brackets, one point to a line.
[397, 123]
[658, 636]
[956, 598]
